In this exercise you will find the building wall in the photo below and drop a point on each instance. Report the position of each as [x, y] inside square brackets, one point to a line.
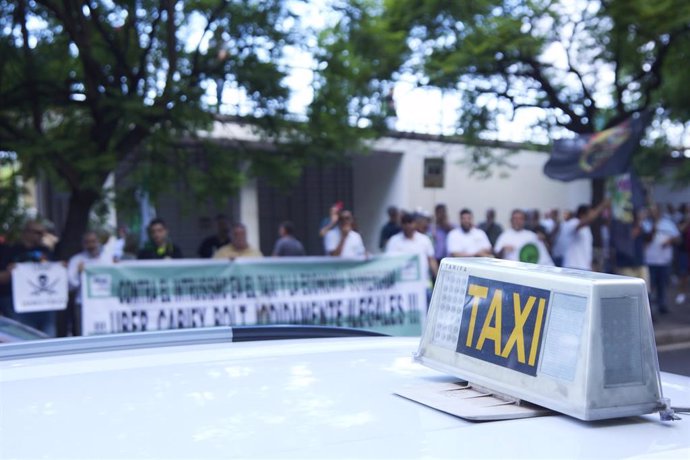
[396, 178]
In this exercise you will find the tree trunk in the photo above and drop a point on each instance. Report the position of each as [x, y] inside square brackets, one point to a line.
[80, 203]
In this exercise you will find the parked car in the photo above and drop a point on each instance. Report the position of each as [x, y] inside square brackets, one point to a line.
[209, 394]
[14, 331]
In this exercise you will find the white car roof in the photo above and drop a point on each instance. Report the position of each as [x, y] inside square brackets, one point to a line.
[310, 398]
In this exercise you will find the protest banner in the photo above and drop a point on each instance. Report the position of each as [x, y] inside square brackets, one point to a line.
[386, 293]
[39, 287]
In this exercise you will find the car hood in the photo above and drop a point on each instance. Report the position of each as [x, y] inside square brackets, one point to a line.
[316, 398]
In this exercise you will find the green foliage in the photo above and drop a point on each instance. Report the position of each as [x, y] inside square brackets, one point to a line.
[357, 57]
[11, 192]
[87, 88]
[581, 63]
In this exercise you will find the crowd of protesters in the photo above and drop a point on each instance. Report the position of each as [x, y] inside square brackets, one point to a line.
[659, 247]
[659, 242]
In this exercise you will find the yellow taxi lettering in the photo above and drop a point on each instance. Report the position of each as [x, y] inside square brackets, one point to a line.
[537, 332]
[478, 293]
[517, 336]
[509, 315]
[493, 332]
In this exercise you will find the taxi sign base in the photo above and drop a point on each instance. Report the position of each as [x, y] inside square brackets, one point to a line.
[471, 403]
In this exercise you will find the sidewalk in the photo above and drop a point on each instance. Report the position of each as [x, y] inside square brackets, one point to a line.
[674, 326]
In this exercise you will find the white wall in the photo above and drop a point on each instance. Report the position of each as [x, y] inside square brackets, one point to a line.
[525, 186]
[393, 175]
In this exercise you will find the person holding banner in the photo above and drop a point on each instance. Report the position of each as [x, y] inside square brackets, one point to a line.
[159, 245]
[70, 320]
[29, 248]
[239, 247]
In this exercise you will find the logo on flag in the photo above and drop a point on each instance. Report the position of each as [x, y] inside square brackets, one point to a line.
[602, 154]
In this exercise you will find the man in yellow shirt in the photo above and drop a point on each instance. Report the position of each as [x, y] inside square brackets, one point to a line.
[238, 247]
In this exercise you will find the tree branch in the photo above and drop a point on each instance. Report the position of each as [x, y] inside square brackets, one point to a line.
[30, 69]
[114, 46]
[193, 76]
[575, 124]
[171, 46]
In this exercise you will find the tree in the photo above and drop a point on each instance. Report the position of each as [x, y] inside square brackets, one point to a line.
[88, 87]
[11, 192]
[581, 66]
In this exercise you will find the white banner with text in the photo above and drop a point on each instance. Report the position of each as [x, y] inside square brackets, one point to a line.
[384, 293]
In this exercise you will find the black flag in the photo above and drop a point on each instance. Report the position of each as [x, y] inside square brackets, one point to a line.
[601, 154]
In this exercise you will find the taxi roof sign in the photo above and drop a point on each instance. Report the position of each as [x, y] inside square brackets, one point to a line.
[577, 342]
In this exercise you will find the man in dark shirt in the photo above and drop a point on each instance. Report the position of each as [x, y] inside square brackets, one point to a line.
[222, 237]
[287, 244]
[27, 249]
[391, 227]
[629, 248]
[490, 227]
[159, 245]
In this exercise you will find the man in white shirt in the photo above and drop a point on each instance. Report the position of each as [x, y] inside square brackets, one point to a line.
[92, 253]
[410, 241]
[343, 240]
[518, 243]
[659, 253]
[468, 240]
[578, 253]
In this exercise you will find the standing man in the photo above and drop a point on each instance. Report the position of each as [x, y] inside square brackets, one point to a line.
[343, 240]
[159, 245]
[239, 247]
[663, 234]
[70, 320]
[391, 227]
[578, 253]
[410, 241]
[440, 230]
[561, 240]
[287, 244]
[210, 244]
[490, 227]
[631, 262]
[468, 240]
[518, 243]
[28, 249]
